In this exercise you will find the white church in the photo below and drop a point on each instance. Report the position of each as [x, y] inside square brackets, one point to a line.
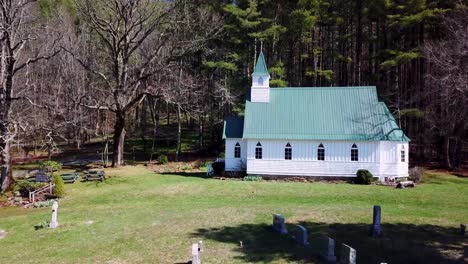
[314, 131]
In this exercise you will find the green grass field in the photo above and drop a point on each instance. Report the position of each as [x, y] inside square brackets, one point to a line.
[143, 217]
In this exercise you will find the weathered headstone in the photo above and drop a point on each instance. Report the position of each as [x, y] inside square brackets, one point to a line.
[53, 222]
[279, 224]
[347, 255]
[376, 228]
[463, 229]
[200, 246]
[195, 254]
[300, 235]
[3, 234]
[327, 249]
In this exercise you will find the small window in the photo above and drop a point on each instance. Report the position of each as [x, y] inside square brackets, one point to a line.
[258, 151]
[354, 153]
[403, 154]
[237, 151]
[260, 81]
[321, 152]
[288, 152]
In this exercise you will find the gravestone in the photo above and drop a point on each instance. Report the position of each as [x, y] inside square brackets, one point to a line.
[41, 176]
[376, 228]
[200, 246]
[279, 224]
[53, 222]
[195, 254]
[463, 229]
[300, 235]
[327, 249]
[3, 234]
[347, 255]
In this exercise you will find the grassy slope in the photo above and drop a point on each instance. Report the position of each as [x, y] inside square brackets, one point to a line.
[142, 217]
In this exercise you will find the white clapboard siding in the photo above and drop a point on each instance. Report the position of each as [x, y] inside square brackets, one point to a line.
[260, 94]
[381, 158]
[231, 163]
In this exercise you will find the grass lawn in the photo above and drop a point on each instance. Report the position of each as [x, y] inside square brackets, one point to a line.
[143, 217]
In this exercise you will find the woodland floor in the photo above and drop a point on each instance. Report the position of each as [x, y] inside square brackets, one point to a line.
[141, 216]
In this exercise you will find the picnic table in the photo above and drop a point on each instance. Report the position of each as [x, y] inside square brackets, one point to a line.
[70, 177]
[95, 175]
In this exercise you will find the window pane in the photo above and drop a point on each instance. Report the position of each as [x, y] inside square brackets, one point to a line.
[354, 155]
[321, 154]
[237, 152]
[258, 153]
[403, 156]
[288, 154]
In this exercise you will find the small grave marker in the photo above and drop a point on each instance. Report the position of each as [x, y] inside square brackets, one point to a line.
[53, 222]
[347, 255]
[327, 249]
[200, 246]
[195, 254]
[3, 234]
[300, 235]
[376, 228]
[279, 224]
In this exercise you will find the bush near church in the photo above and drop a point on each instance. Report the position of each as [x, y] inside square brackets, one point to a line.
[364, 177]
[59, 188]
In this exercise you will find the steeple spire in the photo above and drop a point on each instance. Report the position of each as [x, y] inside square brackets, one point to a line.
[260, 92]
[261, 66]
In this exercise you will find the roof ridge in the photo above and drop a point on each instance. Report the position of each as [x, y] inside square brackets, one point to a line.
[325, 87]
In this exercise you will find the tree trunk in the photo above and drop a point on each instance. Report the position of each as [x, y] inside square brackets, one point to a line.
[119, 140]
[200, 133]
[179, 133]
[446, 149]
[6, 175]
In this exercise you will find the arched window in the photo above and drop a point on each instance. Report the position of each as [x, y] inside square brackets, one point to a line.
[321, 152]
[288, 152]
[258, 151]
[237, 151]
[354, 153]
[260, 81]
[403, 154]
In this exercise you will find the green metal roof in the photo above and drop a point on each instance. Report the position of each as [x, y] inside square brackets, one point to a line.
[261, 66]
[322, 113]
[233, 127]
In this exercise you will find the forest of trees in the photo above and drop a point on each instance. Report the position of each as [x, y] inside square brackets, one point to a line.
[74, 70]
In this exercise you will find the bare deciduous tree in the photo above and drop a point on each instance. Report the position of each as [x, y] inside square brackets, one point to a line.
[19, 28]
[134, 38]
[447, 93]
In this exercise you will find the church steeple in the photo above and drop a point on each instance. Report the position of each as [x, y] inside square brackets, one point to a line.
[261, 67]
[260, 91]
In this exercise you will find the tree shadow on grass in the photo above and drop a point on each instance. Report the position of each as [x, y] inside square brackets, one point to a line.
[260, 243]
[188, 174]
[401, 243]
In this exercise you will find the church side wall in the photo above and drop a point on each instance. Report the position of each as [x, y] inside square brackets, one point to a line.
[231, 163]
[373, 156]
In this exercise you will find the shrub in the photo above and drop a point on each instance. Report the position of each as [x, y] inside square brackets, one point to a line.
[163, 159]
[59, 188]
[364, 177]
[47, 203]
[416, 174]
[218, 167]
[23, 187]
[50, 165]
[187, 167]
[253, 178]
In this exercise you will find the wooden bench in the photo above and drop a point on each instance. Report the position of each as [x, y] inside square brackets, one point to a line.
[94, 176]
[70, 177]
